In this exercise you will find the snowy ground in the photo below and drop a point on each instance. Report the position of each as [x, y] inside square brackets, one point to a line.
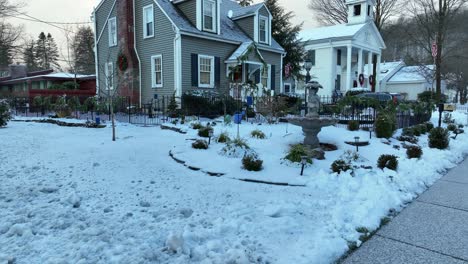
[70, 195]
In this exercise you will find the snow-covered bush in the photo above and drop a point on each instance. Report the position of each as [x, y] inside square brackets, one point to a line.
[258, 134]
[414, 152]
[235, 148]
[385, 124]
[353, 125]
[251, 162]
[200, 144]
[5, 115]
[205, 131]
[296, 152]
[429, 126]
[223, 138]
[407, 132]
[410, 139]
[340, 165]
[388, 161]
[197, 125]
[439, 138]
[422, 128]
[451, 127]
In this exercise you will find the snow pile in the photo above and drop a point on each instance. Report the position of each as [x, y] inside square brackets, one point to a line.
[73, 195]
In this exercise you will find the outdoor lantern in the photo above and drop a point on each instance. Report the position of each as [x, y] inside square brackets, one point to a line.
[303, 163]
[210, 134]
[356, 140]
[308, 67]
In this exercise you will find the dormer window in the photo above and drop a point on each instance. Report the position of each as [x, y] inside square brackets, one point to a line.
[209, 15]
[357, 10]
[263, 30]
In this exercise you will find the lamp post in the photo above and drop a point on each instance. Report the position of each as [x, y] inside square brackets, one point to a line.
[307, 67]
[210, 134]
[371, 129]
[303, 163]
[356, 140]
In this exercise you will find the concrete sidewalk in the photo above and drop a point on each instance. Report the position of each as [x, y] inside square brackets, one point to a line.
[432, 229]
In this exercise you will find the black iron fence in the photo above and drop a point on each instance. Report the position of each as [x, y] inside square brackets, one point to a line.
[166, 108]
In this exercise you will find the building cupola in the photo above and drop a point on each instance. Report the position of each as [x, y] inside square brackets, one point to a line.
[360, 11]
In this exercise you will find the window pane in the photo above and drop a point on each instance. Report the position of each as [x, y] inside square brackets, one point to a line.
[205, 71]
[263, 29]
[208, 14]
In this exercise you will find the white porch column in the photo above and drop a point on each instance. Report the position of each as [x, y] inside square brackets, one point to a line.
[348, 68]
[369, 68]
[377, 83]
[360, 60]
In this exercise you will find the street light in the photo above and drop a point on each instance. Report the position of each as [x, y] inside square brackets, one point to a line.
[356, 140]
[210, 134]
[303, 163]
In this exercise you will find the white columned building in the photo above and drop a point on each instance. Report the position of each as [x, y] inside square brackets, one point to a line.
[339, 53]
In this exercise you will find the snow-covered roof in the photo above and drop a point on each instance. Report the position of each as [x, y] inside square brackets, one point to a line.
[336, 31]
[386, 69]
[412, 74]
[240, 51]
[245, 11]
[230, 31]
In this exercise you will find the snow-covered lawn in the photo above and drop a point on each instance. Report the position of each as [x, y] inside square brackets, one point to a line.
[71, 195]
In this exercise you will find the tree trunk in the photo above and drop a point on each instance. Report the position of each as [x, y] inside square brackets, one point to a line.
[112, 117]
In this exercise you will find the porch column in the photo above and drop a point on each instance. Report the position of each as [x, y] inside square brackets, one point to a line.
[369, 68]
[360, 59]
[348, 68]
[377, 73]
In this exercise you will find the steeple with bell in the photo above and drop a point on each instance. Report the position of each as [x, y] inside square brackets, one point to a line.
[360, 11]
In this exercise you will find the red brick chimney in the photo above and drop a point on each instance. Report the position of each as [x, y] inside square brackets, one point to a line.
[126, 42]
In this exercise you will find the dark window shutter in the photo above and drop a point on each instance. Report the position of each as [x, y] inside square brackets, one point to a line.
[217, 78]
[273, 77]
[194, 70]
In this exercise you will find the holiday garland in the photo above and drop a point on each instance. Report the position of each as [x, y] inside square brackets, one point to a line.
[122, 62]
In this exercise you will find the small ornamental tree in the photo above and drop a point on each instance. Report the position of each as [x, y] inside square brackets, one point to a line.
[5, 115]
[74, 104]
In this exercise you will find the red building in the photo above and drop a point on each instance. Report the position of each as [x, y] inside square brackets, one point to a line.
[18, 82]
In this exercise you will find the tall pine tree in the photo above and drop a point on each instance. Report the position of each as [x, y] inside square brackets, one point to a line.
[52, 51]
[286, 34]
[47, 52]
[244, 2]
[29, 56]
[83, 51]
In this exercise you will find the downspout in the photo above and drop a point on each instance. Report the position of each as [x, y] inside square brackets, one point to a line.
[281, 72]
[177, 64]
[137, 55]
[96, 65]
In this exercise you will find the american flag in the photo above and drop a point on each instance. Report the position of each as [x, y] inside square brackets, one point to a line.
[434, 49]
[287, 69]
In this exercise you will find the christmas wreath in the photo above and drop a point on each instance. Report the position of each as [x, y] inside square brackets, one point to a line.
[122, 62]
[361, 79]
[371, 80]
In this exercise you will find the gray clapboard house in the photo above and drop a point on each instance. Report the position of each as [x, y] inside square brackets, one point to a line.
[161, 47]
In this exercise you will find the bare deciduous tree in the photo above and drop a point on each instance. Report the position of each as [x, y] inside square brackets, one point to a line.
[330, 12]
[434, 19]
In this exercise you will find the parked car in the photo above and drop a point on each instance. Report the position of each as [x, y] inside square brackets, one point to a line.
[381, 97]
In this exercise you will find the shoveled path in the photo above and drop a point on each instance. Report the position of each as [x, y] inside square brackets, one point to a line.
[433, 229]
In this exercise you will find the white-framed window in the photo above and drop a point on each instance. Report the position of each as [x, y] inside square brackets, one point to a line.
[109, 74]
[209, 15]
[112, 28]
[148, 21]
[206, 71]
[156, 71]
[288, 88]
[265, 76]
[263, 29]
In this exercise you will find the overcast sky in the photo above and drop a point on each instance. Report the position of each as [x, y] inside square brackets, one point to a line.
[80, 11]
